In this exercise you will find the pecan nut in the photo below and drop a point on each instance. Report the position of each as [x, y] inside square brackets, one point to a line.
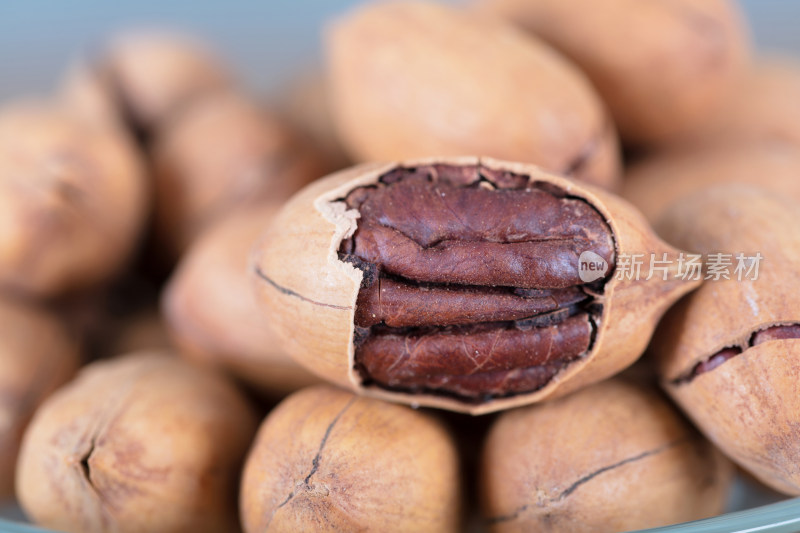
[456, 283]
[729, 354]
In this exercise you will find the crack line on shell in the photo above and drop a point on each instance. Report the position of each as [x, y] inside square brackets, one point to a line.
[315, 460]
[104, 508]
[588, 477]
[84, 463]
[97, 431]
[289, 292]
[689, 375]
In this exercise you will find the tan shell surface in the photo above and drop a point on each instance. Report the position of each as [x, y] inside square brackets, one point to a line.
[156, 73]
[36, 356]
[662, 67]
[310, 294]
[72, 199]
[662, 179]
[144, 442]
[221, 154]
[328, 460]
[612, 457]
[762, 107]
[748, 406]
[306, 103]
[87, 91]
[412, 79]
[732, 219]
[212, 314]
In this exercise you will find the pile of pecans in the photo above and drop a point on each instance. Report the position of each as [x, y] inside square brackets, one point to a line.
[487, 209]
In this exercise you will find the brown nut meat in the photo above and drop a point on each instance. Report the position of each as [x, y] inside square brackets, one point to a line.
[612, 457]
[455, 283]
[212, 314]
[218, 155]
[729, 354]
[37, 355]
[763, 107]
[72, 200]
[660, 180]
[411, 79]
[141, 443]
[328, 460]
[663, 66]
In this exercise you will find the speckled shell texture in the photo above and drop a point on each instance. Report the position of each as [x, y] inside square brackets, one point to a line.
[613, 457]
[748, 406]
[145, 442]
[328, 460]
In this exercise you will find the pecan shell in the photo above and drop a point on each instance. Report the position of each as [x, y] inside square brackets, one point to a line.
[729, 354]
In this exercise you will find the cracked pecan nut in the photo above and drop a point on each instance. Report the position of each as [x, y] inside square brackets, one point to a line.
[455, 283]
[134, 444]
[37, 355]
[729, 354]
[413, 79]
[613, 457]
[328, 460]
[72, 200]
[687, 59]
[211, 311]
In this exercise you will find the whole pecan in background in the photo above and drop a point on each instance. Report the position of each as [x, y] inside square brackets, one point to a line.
[416, 79]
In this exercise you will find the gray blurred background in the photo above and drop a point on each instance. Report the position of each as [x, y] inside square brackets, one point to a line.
[266, 42]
